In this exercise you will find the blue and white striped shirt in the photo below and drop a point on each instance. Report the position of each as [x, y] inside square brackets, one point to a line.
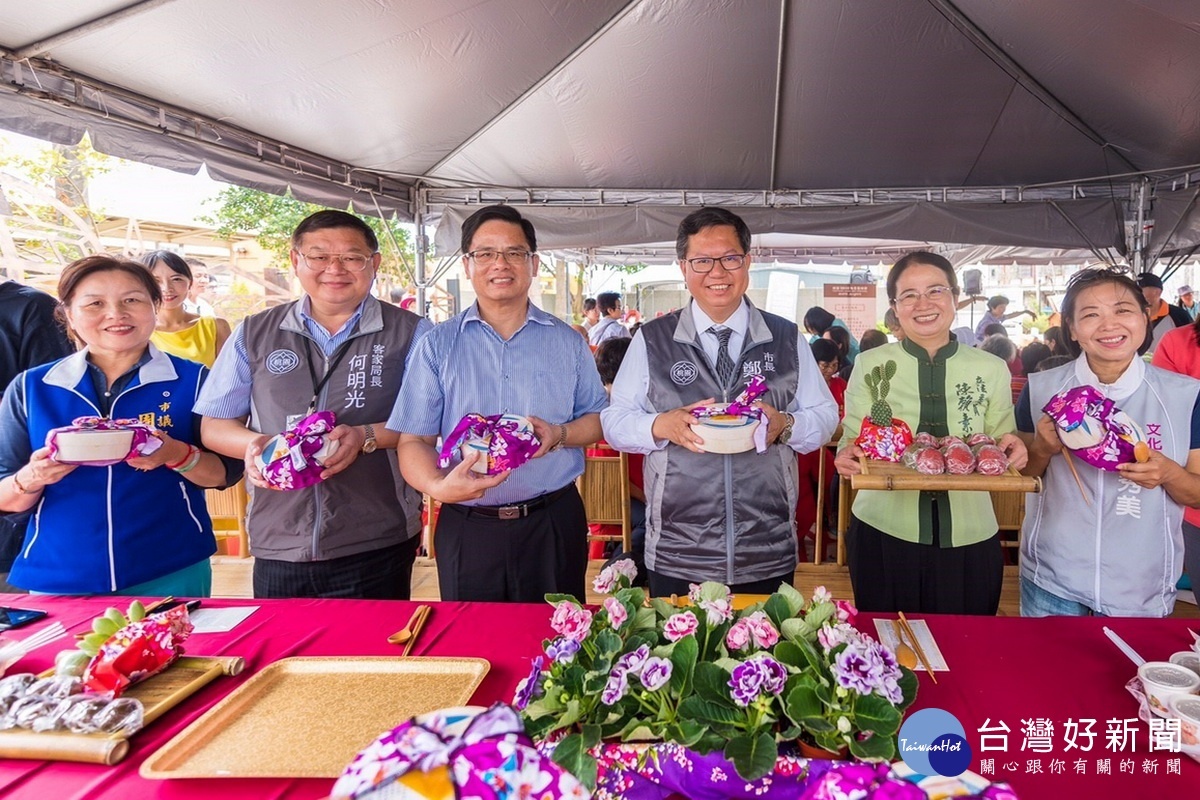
[462, 366]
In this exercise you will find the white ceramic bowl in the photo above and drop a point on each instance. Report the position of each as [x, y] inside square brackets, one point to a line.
[1186, 708]
[77, 447]
[1163, 680]
[476, 446]
[1187, 658]
[726, 434]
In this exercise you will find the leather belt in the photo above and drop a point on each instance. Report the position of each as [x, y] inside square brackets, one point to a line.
[516, 510]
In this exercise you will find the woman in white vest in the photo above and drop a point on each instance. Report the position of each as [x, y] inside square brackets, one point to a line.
[1120, 551]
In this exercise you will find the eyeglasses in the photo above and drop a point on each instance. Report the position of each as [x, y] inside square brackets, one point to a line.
[934, 294]
[488, 258]
[728, 263]
[319, 262]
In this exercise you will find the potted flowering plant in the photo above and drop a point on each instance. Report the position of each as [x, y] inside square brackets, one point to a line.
[711, 678]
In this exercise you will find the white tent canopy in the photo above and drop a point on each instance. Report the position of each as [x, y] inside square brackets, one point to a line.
[1039, 123]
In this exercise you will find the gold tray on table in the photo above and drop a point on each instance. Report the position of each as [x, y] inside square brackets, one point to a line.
[309, 717]
[894, 476]
[158, 695]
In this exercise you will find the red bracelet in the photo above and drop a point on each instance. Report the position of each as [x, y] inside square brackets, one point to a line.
[183, 460]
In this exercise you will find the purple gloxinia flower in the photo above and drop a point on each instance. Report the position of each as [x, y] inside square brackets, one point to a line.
[563, 650]
[656, 673]
[529, 687]
[852, 670]
[633, 661]
[754, 677]
[616, 688]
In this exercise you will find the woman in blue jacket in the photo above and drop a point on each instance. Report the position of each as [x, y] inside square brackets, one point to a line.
[136, 527]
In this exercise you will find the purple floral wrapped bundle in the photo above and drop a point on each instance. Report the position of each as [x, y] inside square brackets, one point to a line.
[742, 407]
[482, 756]
[1092, 427]
[99, 442]
[294, 458]
[507, 439]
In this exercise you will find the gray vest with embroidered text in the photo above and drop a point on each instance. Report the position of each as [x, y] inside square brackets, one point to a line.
[1123, 554]
[366, 507]
[726, 518]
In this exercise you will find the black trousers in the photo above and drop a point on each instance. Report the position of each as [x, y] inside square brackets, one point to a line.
[890, 574]
[384, 574]
[665, 585]
[513, 560]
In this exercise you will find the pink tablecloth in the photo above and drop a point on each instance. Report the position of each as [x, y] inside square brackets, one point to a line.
[1002, 670]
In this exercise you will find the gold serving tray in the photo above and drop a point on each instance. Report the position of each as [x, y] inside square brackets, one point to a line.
[309, 717]
[894, 476]
[158, 694]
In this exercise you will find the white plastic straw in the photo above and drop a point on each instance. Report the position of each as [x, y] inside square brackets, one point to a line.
[15, 650]
[1125, 648]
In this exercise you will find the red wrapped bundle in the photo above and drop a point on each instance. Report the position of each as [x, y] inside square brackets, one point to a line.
[979, 438]
[138, 650]
[924, 459]
[989, 459]
[959, 459]
[926, 438]
[946, 441]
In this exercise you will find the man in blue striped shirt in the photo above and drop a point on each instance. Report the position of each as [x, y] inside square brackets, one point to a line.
[517, 535]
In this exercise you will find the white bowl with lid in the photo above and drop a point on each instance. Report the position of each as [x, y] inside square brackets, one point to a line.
[1187, 658]
[1162, 680]
[726, 433]
[78, 447]
[1186, 709]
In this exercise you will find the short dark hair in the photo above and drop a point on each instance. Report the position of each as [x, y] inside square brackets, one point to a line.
[995, 329]
[997, 300]
[1052, 362]
[74, 273]
[817, 320]
[329, 218]
[1033, 354]
[1055, 340]
[824, 350]
[609, 356]
[1097, 276]
[871, 339]
[707, 217]
[607, 301]
[920, 257]
[841, 337]
[890, 319]
[588, 304]
[503, 213]
[173, 261]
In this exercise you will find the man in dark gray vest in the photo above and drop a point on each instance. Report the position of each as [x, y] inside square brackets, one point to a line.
[354, 534]
[710, 517]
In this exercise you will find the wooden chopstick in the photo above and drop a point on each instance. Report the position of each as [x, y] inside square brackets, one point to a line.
[916, 645]
[416, 630]
[1067, 454]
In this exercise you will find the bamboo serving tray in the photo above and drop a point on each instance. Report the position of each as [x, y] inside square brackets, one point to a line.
[309, 717]
[894, 476]
[158, 694]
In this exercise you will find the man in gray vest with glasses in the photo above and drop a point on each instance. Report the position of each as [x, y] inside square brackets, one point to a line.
[354, 534]
[519, 534]
[710, 517]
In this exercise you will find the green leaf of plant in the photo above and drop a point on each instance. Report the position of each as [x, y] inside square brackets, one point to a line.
[803, 703]
[874, 748]
[874, 713]
[752, 756]
[686, 731]
[571, 755]
[683, 663]
[590, 735]
[789, 654]
[555, 599]
[662, 607]
[695, 708]
[908, 685]
[777, 608]
[711, 683]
